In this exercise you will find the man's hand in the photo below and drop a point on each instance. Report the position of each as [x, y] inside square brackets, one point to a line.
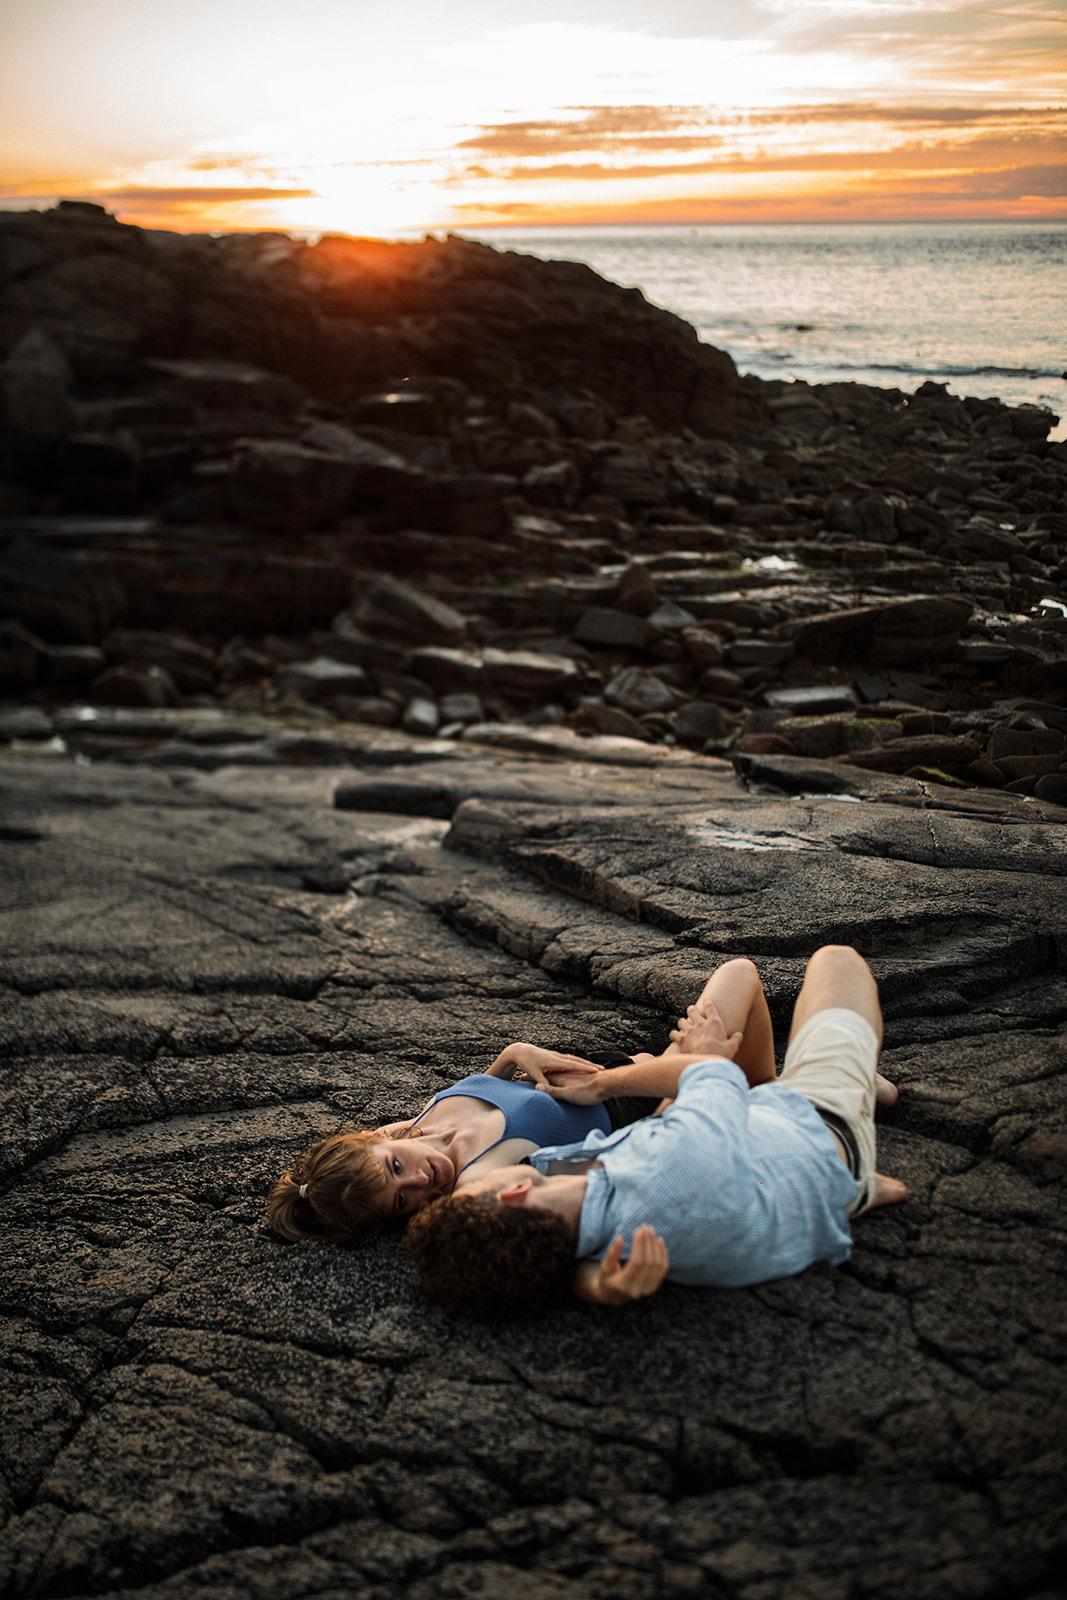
[613, 1284]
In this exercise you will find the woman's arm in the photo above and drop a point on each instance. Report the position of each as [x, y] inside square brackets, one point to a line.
[538, 1063]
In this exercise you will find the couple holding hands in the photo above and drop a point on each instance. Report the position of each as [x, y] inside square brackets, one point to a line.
[699, 1166]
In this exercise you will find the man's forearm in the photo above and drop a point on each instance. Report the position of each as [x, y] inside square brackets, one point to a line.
[658, 1076]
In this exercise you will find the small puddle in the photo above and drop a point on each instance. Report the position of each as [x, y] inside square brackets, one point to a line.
[751, 839]
[770, 564]
[855, 799]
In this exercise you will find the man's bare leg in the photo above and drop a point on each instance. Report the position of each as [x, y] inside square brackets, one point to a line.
[835, 976]
[735, 995]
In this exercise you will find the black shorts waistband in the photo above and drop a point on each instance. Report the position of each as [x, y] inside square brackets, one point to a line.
[838, 1125]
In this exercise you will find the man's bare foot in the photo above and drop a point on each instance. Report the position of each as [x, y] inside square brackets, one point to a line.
[885, 1093]
[887, 1192]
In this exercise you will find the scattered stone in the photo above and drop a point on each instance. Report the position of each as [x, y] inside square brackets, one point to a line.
[192, 666]
[27, 723]
[134, 686]
[612, 629]
[462, 708]
[900, 755]
[640, 692]
[528, 673]
[592, 716]
[699, 720]
[321, 679]
[397, 607]
[669, 618]
[35, 383]
[65, 597]
[813, 699]
[1008, 741]
[703, 648]
[421, 716]
[636, 591]
[1052, 787]
[284, 487]
[759, 652]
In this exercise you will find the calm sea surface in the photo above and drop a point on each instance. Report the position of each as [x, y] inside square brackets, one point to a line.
[979, 306]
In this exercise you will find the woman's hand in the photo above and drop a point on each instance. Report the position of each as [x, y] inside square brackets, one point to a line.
[547, 1067]
[613, 1284]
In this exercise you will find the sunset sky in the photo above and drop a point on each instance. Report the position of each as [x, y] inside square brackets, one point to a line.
[343, 115]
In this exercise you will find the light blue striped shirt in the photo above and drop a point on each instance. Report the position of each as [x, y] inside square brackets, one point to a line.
[742, 1184]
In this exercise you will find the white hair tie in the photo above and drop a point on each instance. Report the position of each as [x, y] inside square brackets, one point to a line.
[303, 1191]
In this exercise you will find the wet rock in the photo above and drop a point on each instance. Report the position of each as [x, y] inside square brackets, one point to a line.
[141, 685]
[669, 618]
[421, 716]
[636, 591]
[1052, 787]
[191, 666]
[834, 735]
[64, 664]
[321, 679]
[580, 417]
[1009, 741]
[599, 625]
[592, 716]
[812, 699]
[699, 720]
[399, 608]
[932, 751]
[759, 652]
[65, 597]
[288, 488]
[20, 655]
[898, 633]
[444, 668]
[633, 478]
[404, 410]
[528, 673]
[217, 384]
[461, 707]
[703, 648]
[640, 692]
[26, 723]
[35, 382]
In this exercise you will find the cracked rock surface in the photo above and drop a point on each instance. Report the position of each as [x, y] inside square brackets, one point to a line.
[200, 970]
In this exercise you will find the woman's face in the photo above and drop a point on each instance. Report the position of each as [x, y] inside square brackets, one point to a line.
[415, 1173]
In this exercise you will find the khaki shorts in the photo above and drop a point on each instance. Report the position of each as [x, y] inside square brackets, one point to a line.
[832, 1061]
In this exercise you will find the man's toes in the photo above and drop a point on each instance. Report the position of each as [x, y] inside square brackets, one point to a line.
[885, 1093]
[887, 1191]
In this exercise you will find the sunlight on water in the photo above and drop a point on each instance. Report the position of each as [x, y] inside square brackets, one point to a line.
[981, 307]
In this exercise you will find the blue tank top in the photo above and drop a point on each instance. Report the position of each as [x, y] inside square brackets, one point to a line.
[528, 1114]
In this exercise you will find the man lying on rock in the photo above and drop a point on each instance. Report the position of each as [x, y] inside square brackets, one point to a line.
[351, 1184]
[730, 1185]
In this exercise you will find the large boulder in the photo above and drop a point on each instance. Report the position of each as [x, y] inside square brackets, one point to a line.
[64, 597]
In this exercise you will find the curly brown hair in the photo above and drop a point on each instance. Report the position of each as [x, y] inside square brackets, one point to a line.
[340, 1178]
[480, 1258]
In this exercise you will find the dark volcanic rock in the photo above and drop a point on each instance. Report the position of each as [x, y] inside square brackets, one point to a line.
[471, 546]
[203, 971]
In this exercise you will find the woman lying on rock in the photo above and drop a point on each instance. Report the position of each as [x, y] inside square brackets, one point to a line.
[732, 1185]
[352, 1184]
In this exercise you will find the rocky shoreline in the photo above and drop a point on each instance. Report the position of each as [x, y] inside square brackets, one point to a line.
[438, 486]
[404, 649]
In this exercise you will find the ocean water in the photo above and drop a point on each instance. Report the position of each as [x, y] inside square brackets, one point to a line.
[981, 307]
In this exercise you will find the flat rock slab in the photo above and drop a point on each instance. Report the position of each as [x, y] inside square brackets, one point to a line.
[201, 970]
